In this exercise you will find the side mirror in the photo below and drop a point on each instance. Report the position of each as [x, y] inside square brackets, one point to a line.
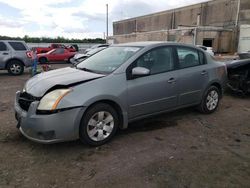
[140, 72]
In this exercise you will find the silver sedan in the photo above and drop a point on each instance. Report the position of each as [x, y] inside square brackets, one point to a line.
[118, 85]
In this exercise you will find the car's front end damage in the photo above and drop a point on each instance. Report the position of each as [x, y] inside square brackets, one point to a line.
[239, 76]
[52, 126]
[43, 109]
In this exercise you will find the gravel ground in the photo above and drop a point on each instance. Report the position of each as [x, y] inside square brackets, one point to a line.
[178, 149]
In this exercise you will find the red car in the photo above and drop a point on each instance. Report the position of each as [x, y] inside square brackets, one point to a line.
[54, 46]
[58, 54]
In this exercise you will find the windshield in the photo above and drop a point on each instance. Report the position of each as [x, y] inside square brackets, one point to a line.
[108, 60]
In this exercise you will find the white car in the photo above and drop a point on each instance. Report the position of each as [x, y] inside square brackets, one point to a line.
[96, 46]
[80, 57]
[207, 49]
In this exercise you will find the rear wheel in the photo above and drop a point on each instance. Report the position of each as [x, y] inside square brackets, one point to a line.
[15, 67]
[210, 101]
[43, 60]
[99, 124]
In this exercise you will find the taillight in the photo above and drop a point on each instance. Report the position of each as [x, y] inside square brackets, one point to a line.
[29, 54]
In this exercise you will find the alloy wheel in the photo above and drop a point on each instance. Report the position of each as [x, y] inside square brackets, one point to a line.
[100, 126]
[212, 100]
[15, 68]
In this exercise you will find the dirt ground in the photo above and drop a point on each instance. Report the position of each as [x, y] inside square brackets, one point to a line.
[178, 149]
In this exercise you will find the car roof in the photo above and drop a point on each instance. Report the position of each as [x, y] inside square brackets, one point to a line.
[155, 43]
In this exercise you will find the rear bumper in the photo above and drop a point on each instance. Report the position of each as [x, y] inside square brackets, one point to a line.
[51, 128]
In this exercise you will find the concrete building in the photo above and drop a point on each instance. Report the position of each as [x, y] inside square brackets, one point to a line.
[214, 23]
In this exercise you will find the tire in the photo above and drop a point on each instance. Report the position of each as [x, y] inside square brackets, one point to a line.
[43, 60]
[210, 100]
[93, 129]
[15, 67]
[69, 59]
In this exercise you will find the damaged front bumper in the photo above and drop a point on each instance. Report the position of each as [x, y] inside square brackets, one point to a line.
[49, 128]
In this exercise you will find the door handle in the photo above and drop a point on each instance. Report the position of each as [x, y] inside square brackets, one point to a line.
[203, 72]
[5, 53]
[171, 80]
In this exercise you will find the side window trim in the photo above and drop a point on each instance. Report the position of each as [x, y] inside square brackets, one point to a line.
[132, 65]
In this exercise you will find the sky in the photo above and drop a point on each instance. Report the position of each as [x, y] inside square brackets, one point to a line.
[74, 18]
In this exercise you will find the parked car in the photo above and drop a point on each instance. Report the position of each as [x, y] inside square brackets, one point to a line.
[118, 85]
[40, 50]
[79, 57]
[239, 76]
[96, 46]
[207, 49]
[14, 56]
[58, 54]
[244, 55]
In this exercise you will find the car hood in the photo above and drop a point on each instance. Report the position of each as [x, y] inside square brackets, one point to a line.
[41, 83]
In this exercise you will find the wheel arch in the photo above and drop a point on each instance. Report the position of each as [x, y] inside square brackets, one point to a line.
[218, 85]
[43, 57]
[123, 122]
[15, 59]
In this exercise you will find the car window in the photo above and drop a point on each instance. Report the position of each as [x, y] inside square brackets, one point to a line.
[18, 46]
[157, 61]
[58, 51]
[188, 57]
[3, 47]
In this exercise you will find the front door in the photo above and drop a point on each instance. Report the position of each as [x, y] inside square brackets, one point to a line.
[157, 91]
[57, 55]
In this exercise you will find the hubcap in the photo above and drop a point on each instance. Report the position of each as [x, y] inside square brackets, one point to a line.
[100, 126]
[212, 100]
[15, 68]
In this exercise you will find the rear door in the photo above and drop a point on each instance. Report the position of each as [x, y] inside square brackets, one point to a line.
[57, 55]
[19, 49]
[193, 75]
[5, 54]
[157, 91]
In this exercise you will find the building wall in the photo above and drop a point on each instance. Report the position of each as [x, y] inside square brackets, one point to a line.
[212, 13]
[244, 38]
[158, 26]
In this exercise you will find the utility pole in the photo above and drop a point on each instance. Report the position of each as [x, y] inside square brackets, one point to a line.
[237, 14]
[237, 28]
[107, 22]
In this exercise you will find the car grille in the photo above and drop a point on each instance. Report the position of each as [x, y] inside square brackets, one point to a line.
[25, 100]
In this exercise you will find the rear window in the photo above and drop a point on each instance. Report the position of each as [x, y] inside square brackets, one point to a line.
[3, 47]
[18, 46]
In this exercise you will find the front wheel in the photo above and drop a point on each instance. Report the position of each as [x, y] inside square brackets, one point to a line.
[69, 60]
[210, 100]
[99, 124]
[43, 60]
